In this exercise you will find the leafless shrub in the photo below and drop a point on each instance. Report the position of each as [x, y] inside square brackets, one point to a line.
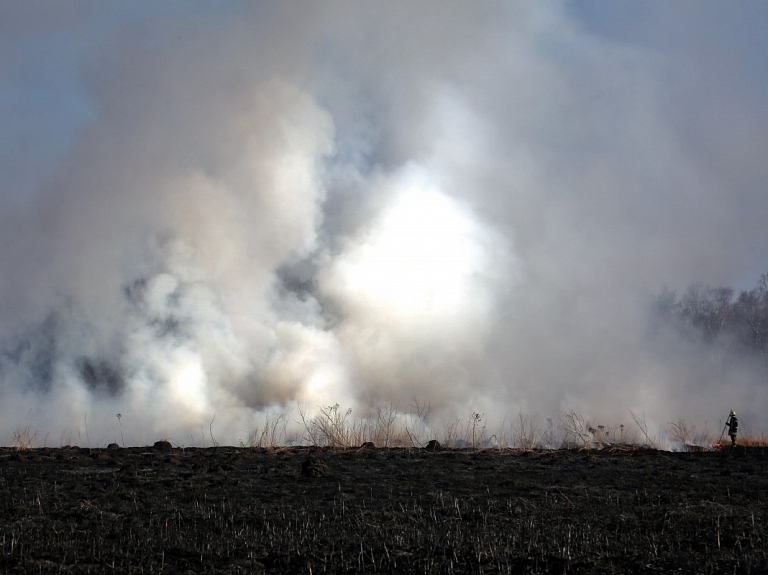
[478, 428]
[332, 422]
[335, 427]
[385, 420]
[680, 432]
[685, 433]
[329, 427]
[575, 430]
[419, 422]
[422, 410]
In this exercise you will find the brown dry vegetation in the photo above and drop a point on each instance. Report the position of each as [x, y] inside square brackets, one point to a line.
[753, 441]
[303, 509]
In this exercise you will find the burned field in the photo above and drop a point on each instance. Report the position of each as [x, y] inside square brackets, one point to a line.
[302, 510]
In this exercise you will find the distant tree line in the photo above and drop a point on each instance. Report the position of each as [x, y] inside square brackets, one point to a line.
[736, 325]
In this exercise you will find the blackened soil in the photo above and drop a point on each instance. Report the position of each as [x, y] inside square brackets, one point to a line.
[309, 510]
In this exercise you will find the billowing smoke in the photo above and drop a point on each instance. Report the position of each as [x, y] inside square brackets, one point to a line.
[471, 205]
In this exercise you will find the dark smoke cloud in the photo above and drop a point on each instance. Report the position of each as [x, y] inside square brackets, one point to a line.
[469, 205]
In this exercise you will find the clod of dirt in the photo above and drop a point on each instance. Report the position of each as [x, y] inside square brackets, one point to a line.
[163, 445]
[434, 445]
[314, 467]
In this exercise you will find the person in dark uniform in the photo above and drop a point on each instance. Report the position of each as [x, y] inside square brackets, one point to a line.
[733, 426]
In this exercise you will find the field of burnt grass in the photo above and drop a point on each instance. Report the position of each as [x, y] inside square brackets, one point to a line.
[313, 510]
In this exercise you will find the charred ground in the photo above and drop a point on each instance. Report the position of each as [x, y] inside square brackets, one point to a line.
[302, 510]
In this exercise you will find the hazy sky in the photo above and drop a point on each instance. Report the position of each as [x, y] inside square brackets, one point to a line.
[230, 207]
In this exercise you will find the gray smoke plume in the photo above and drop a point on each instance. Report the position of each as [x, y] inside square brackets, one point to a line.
[472, 205]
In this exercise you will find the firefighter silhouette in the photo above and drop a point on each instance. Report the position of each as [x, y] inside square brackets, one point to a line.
[733, 426]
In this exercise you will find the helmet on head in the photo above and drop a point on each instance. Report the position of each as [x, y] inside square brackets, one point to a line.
[732, 414]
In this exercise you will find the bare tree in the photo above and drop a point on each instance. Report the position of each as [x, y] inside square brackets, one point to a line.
[385, 419]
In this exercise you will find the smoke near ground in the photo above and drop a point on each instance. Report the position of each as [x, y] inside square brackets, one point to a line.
[213, 212]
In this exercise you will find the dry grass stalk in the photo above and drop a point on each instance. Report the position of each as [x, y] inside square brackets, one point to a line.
[753, 441]
[527, 433]
[23, 438]
[270, 434]
[643, 426]
[451, 435]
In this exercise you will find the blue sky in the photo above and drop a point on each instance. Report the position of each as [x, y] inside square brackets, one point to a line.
[47, 48]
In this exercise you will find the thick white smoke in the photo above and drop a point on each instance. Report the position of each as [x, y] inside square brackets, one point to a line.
[468, 205]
